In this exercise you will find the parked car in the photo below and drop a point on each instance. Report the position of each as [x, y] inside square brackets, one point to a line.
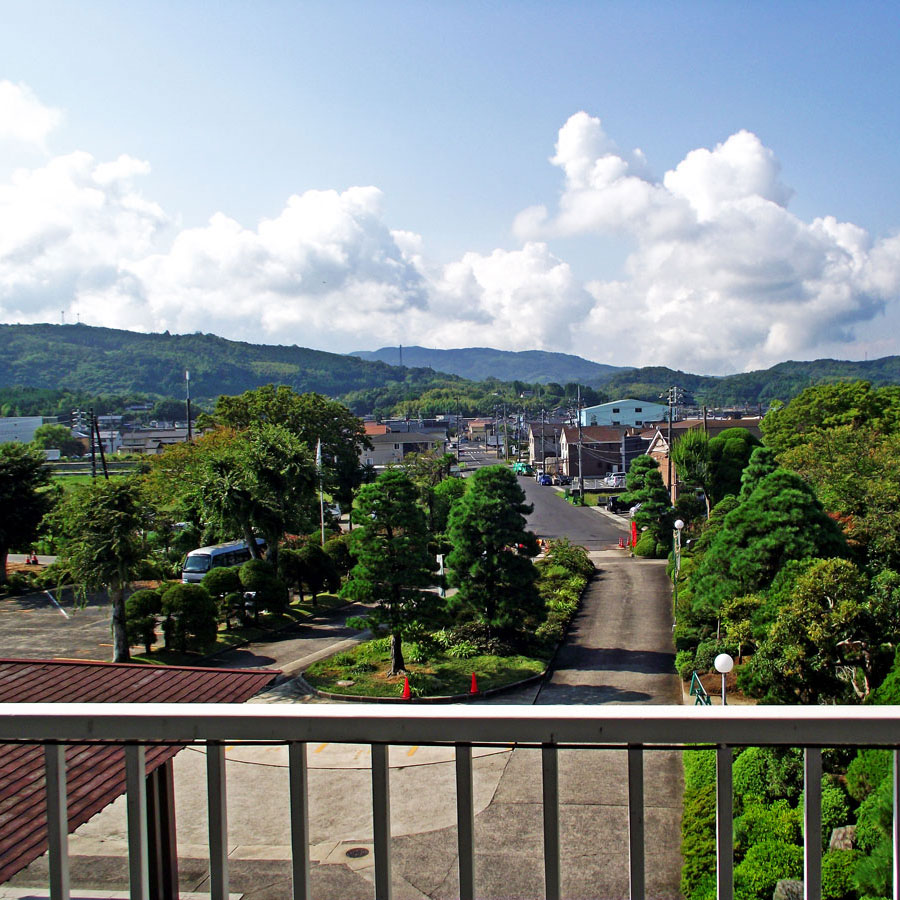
[545, 479]
[562, 479]
[614, 504]
[522, 468]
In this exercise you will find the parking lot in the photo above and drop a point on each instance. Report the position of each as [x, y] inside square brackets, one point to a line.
[43, 625]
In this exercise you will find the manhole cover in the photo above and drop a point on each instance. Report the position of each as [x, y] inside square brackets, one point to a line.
[357, 852]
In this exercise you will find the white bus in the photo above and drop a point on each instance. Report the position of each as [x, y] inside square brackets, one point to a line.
[198, 562]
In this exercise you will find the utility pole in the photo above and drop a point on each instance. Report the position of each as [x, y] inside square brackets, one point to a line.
[458, 430]
[93, 446]
[542, 442]
[580, 466]
[102, 454]
[673, 398]
[505, 436]
[187, 381]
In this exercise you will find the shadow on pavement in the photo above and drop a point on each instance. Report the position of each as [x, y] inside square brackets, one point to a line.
[618, 659]
[575, 694]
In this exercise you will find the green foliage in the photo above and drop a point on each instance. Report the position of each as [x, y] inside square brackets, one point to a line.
[24, 498]
[260, 577]
[141, 609]
[729, 453]
[781, 520]
[762, 821]
[57, 437]
[222, 580]
[101, 527]
[491, 558]
[698, 825]
[835, 809]
[763, 866]
[393, 565]
[762, 462]
[838, 867]
[192, 614]
[338, 550]
[867, 770]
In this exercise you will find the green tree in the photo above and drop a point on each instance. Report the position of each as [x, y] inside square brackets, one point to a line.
[311, 418]
[101, 526]
[57, 437]
[192, 613]
[828, 640]
[141, 609]
[24, 498]
[781, 520]
[729, 453]
[318, 570]
[693, 462]
[393, 565]
[761, 463]
[491, 558]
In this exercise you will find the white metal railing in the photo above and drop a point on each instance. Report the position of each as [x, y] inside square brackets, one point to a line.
[550, 728]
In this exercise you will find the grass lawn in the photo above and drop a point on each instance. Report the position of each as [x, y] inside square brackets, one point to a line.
[366, 667]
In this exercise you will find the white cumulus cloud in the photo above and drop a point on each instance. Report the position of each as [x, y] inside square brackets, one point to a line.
[23, 118]
[722, 276]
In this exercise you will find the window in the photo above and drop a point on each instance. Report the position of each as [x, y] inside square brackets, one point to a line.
[615, 409]
[396, 446]
[638, 421]
[638, 409]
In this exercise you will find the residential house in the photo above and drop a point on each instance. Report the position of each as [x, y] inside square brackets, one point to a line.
[393, 447]
[604, 449]
[152, 441]
[21, 429]
[543, 442]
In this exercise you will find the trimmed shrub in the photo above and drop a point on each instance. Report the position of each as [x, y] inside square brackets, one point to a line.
[698, 839]
[838, 867]
[762, 821]
[222, 580]
[192, 614]
[751, 773]
[141, 610]
[867, 770]
[835, 809]
[763, 866]
[684, 664]
[646, 545]
[259, 577]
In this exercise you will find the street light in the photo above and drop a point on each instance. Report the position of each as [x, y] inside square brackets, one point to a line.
[724, 664]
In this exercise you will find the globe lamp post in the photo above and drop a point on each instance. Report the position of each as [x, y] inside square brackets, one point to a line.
[724, 664]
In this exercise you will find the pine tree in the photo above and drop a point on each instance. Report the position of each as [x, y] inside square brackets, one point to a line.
[393, 565]
[491, 558]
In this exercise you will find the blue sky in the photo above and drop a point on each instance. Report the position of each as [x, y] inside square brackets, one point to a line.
[157, 148]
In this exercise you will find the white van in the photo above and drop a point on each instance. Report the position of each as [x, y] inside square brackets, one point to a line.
[198, 562]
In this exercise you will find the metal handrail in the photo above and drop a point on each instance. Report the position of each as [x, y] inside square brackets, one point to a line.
[633, 728]
[698, 691]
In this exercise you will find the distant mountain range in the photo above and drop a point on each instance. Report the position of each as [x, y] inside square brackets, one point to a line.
[481, 363]
[109, 361]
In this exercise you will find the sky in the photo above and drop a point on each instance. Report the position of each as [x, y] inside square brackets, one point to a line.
[709, 186]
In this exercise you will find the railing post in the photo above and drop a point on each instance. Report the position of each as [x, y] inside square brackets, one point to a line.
[136, 802]
[57, 820]
[299, 820]
[812, 823]
[218, 821]
[724, 825]
[381, 820]
[465, 822]
[636, 822]
[550, 780]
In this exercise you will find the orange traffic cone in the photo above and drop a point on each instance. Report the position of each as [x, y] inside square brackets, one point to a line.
[474, 688]
[621, 543]
[406, 692]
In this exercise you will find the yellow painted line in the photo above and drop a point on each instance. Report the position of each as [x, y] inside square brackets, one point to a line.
[411, 751]
[320, 748]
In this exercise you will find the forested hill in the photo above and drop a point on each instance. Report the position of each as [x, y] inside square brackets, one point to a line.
[82, 358]
[110, 361]
[783, 381]
[481, 363]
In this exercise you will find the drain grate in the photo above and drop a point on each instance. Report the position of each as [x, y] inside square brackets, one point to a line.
[357, 852]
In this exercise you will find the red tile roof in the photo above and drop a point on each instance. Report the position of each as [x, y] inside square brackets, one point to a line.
[95, 774]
